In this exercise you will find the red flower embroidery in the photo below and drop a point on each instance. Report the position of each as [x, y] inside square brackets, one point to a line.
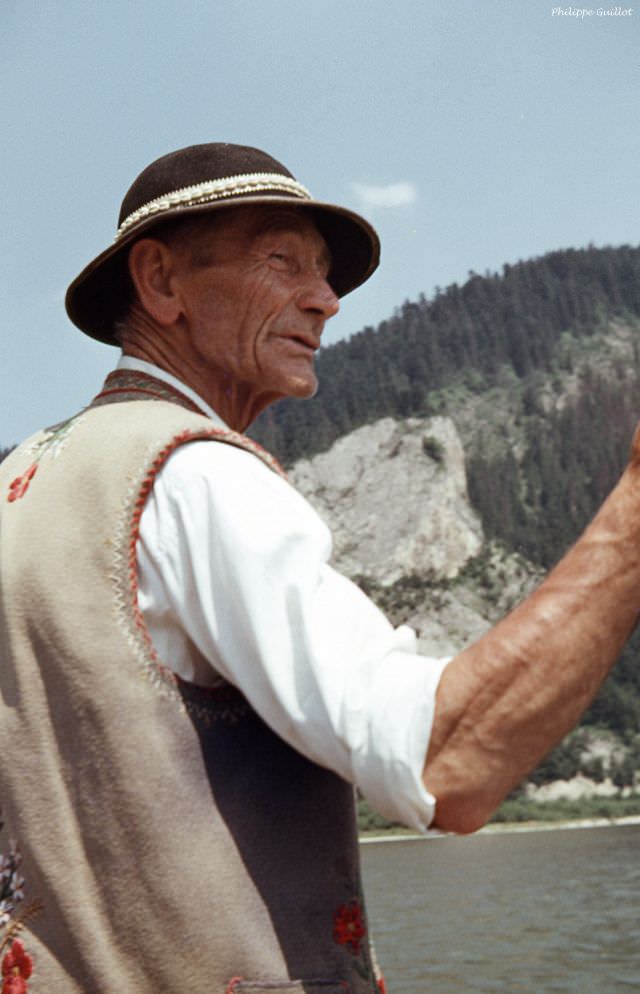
[17, 967]
[15, 985]
[348, 926]
[19, 486]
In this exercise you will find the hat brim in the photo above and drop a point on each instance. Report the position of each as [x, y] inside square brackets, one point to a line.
[94, 299]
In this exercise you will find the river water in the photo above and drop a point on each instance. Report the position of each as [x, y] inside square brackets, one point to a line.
[544, 912]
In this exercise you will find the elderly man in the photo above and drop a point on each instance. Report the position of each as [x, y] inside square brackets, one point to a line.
[189, 691]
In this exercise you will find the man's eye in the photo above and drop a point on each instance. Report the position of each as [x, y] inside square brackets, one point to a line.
[279, 256]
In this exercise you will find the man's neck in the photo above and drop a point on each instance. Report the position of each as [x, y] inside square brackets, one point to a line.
[143, 366]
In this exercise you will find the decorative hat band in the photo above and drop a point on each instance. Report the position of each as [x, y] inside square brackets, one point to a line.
[217, 189]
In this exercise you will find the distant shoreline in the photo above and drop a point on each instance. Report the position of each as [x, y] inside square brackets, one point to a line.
[547, 826]
[509, 828]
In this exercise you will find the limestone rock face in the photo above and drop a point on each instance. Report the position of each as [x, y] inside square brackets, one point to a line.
[449, 619]
[394, 495]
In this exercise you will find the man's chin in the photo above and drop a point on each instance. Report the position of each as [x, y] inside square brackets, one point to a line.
[305, 389]
[301, 386]
[294, 380]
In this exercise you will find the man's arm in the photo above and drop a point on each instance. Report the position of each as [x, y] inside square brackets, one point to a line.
[504, 702]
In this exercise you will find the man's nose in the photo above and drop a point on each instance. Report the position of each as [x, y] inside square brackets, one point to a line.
[318, 296]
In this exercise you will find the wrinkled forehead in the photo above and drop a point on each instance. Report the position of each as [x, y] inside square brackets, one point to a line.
[255, 221]
[296, 220]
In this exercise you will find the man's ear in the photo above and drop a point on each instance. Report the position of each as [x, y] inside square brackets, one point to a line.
[152, 266]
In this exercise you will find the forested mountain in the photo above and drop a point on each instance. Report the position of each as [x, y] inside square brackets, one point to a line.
[515, 320]
[539, 367]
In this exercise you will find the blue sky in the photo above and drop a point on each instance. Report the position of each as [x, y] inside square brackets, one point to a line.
[472, 133]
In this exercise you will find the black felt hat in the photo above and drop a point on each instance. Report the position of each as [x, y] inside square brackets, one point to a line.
[207, 178]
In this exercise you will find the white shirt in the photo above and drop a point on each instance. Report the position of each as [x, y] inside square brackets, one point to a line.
[234, 578]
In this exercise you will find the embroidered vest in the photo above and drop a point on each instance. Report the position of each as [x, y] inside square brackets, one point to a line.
[157, 838]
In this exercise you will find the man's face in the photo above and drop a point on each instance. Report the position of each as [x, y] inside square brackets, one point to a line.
[256, 299]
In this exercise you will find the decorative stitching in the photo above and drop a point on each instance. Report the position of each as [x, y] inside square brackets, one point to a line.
[11, 883]
[51, 443]
[212, 190]
[207, 704]
[17, 965]
[19, 486]
[132, 382]
[349, 928]
[279, 985]
[126, 390]
[232, 984]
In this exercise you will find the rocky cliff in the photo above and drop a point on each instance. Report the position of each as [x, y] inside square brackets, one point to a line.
[394, 494]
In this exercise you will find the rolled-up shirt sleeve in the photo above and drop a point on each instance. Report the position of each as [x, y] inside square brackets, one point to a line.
[234, 578]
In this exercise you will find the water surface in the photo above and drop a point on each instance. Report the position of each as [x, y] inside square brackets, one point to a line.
[542, 912]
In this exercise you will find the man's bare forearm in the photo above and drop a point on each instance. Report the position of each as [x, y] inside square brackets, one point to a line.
[504, 702]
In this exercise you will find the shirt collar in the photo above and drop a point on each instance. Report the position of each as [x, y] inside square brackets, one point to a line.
[142, 366]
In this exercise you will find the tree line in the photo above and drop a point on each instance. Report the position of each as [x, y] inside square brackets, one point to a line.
[515, 319]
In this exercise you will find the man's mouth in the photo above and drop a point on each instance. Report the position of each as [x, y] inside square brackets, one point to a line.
[307, 342]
